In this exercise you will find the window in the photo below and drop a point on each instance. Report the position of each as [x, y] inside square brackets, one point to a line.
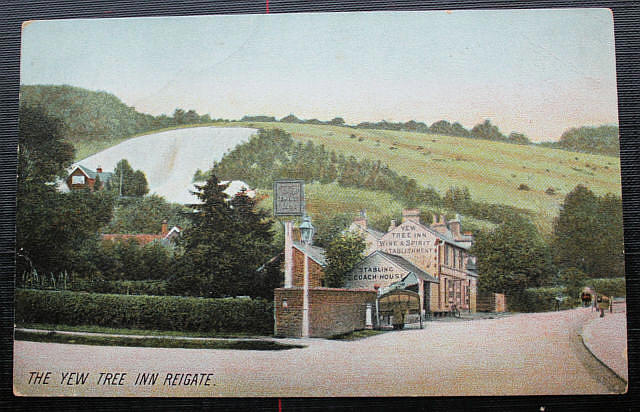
[446, 255]
[77, 180]
[455, 255]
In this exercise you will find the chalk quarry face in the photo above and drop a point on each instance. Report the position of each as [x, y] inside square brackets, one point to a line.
[170, 159]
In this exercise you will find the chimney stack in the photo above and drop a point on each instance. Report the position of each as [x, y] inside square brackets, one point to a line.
[411, 215]
[439, 224]
[392, 225]
[165, 227]
[455, 227]
[361, 220]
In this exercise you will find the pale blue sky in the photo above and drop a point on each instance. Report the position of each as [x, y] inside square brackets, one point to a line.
[534, 71]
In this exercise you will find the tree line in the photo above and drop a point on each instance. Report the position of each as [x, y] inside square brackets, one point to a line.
[90, 115]
[484, 130]
[586, 243]
[586, 139]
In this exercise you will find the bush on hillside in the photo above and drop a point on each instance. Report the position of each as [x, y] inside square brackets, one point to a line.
[523, 187]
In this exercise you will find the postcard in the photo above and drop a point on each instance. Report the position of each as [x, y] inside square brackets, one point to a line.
[320, 205]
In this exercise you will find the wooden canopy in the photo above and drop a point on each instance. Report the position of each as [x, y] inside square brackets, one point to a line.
[406, 299]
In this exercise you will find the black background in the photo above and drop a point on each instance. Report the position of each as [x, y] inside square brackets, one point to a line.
[12, 13]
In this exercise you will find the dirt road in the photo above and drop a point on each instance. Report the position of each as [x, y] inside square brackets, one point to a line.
[522, 354]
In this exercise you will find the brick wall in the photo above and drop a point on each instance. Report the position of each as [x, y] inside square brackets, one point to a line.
[332, 311]
[288, 321]
[316, 272]
[491, 302]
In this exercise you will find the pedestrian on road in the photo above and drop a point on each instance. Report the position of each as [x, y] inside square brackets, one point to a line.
[398, 317]
[603, 303]
[610, 304]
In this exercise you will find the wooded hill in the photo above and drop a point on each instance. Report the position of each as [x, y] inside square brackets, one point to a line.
[93, 121]
[87, 115]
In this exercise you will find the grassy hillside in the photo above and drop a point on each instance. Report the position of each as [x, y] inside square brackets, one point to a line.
[324, 200]
[493, 171]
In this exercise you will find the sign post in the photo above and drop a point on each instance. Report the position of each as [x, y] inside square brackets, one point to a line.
[288, 201]
[288, 198]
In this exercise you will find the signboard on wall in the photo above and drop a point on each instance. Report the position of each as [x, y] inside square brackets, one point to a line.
[288, 197]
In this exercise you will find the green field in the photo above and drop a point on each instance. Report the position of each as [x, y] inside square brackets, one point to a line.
[491, 170]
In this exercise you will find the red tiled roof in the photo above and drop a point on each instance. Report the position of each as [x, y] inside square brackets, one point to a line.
[142, 239]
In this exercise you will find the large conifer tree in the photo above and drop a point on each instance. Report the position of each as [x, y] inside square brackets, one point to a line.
[227, 241]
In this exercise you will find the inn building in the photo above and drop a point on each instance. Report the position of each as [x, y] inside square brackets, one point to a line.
[411, 258]
[437, 253]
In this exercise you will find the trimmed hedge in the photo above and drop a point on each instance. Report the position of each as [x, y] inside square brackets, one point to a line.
[121, 287]
[608, 286]
[229, 315]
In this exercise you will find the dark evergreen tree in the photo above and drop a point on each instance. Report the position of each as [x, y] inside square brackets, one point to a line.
[206, 267]
[228, 240]
[253, 236]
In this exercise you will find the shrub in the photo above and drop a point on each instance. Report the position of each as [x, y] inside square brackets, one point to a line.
[541, 300]
[550, 191]
[523, 187]
[609, 286]
[230, 315]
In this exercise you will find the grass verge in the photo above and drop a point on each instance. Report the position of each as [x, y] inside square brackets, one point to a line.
[147, 342]
[122, 331]
[356, 335]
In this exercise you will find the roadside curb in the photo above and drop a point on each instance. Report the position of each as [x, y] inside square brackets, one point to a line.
[116, 335]
[585, 336]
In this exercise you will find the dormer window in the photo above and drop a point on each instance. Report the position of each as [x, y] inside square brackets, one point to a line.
[77, 180]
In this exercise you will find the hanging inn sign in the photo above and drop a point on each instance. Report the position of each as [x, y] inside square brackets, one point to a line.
[288, 197]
